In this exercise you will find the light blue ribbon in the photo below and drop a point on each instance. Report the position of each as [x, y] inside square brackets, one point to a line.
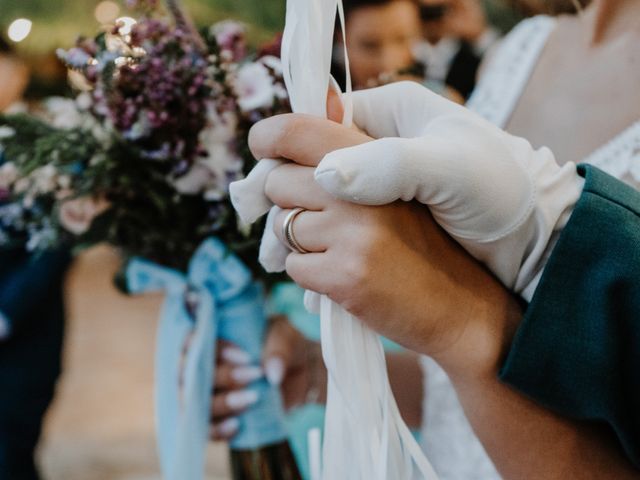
[229, 304]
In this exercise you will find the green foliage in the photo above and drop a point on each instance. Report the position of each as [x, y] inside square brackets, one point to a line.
[35, 144]
[57, 24]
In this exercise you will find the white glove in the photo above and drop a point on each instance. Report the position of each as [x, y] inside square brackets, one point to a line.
[501, 199]
[497, 196]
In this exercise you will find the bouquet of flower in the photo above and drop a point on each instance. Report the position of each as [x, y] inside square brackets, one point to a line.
[142, 157]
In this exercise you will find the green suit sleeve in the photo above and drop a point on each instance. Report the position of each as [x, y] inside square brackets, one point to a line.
[577, 350]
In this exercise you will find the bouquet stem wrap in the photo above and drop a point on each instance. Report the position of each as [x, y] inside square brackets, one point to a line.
[229, 305]
[365, 436]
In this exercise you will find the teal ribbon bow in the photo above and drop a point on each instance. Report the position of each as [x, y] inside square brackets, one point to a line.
[227, 303]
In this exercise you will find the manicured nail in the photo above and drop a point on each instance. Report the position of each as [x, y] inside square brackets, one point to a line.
[236, 356]
[244, 375]
[241, 399]
[227, 428]
[274, 370]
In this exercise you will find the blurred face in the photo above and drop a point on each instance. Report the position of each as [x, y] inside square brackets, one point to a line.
[380, 39]
[549, 6]
[433, 13]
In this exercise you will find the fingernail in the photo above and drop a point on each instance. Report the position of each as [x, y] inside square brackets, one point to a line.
[241, 399]
[236, 356]
[274, 370]
[228, 427]
[244, 375]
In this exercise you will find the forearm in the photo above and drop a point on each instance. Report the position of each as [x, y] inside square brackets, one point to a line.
[523, 439]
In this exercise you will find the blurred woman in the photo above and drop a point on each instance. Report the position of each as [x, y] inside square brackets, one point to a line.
[31, 324]
[380, 37]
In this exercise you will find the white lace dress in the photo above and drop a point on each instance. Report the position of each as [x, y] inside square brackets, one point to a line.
[447, 437]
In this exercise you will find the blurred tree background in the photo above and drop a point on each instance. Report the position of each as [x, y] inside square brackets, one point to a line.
[58, 23]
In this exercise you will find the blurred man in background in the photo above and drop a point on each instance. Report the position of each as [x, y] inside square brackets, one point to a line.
[456, 36]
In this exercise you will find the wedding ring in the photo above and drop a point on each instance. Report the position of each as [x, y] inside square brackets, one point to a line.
[287, 231]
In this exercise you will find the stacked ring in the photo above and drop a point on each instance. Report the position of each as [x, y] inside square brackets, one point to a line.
[287, 231]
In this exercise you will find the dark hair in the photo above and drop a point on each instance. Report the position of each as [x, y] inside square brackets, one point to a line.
[351, 5]
[5, 47]
[549, 7]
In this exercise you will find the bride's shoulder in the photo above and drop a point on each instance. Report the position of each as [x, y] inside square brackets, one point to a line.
[521, 42]
[505, 70]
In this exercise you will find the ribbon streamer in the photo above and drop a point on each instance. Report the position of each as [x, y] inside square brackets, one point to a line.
[365, 436]
[227, 304]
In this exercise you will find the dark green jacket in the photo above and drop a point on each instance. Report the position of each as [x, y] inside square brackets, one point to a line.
[577, 350]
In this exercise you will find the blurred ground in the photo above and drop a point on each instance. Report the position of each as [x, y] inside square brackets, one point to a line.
[101, 424]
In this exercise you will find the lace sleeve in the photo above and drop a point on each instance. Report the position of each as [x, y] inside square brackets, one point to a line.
[508, 70]
[620, 157]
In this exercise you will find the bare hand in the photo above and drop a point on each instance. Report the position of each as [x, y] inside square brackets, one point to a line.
[289, 360]
[391, 266]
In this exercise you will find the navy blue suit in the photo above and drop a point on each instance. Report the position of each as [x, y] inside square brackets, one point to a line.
[31, 297]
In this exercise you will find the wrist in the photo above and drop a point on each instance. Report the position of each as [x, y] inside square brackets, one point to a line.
[492, 318]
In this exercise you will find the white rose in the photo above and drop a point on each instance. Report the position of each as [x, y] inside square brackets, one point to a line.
[280, 91]
[64, 113]
[274, 63]
[254, 87]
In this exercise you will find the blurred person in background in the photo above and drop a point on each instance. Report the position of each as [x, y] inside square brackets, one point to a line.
[553, 7]
[456, 36]
[31, 322]
[380, 38]
[14, 75]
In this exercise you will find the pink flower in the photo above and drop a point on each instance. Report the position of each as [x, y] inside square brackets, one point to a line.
[230, 37]
[77, 215]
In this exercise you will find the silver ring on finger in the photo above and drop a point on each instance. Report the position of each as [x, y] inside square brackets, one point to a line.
[287, 231]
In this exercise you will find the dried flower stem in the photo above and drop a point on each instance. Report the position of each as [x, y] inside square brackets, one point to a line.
[184, 21]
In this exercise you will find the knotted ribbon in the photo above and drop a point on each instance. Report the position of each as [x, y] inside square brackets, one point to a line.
[365, 437]
[216, 298]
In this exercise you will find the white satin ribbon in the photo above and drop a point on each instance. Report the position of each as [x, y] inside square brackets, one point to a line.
[365, 437]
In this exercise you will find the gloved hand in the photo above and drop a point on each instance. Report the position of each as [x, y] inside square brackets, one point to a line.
[501, 199]
[493, 192]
